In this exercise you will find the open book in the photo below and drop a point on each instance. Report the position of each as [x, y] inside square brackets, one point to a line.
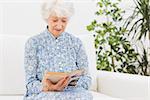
[54, 77]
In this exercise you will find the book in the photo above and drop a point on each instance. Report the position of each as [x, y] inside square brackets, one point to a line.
[54, 77]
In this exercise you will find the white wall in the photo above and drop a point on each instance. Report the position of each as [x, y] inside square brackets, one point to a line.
[24, 17]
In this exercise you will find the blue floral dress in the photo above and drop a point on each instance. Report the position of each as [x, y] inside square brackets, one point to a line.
[65, 53]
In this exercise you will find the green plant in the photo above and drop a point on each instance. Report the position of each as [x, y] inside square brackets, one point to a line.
[143, 63]
[114, 51]
[139, 21]
[138, 25]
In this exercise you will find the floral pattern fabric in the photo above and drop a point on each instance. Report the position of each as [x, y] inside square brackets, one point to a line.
[65, 53]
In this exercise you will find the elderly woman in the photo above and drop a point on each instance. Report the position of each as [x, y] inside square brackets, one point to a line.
[55, 50]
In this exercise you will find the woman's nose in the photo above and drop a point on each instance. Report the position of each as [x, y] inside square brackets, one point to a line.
[59, 25]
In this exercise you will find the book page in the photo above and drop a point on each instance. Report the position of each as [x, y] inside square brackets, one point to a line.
[54, 77]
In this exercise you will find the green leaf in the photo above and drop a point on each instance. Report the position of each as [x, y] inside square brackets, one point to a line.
[90, 28]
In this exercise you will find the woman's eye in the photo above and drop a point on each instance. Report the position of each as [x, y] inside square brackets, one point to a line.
[64, 21]
[55, 20]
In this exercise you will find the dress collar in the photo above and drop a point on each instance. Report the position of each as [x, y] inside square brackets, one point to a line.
[49, 34]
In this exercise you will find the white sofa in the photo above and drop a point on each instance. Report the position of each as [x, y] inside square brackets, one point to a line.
[105, 85]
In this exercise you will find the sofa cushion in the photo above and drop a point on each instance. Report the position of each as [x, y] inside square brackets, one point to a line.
[11, 65]
[88, 42]
[126, 86]
[99, 96]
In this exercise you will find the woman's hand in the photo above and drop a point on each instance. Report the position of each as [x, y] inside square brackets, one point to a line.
[59, 86]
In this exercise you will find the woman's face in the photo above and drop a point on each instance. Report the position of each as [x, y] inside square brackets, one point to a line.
[57, 25]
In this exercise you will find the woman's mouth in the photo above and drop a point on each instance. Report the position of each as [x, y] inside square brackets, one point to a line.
[58, 30]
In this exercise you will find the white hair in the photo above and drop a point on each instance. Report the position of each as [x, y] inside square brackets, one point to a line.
[57, 8]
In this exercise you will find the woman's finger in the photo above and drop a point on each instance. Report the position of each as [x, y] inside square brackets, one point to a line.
[61, 82]
[45, 89]
[65, 83]
[49, 84]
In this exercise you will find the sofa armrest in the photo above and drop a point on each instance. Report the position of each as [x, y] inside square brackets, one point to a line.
[126, 86]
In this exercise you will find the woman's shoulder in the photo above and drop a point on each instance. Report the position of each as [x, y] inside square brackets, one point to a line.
[75, 41]
[74, 38]
[34, 39]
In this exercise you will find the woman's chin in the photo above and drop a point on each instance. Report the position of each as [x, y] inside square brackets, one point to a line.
[58, 32]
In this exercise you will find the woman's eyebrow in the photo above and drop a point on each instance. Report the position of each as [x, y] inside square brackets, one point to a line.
[54, 18]
[64, 18]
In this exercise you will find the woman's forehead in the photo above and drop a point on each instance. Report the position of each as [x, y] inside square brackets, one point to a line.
[58, 17]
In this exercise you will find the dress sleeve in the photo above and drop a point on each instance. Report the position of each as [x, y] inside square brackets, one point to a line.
[82, 63]
[33, 84]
